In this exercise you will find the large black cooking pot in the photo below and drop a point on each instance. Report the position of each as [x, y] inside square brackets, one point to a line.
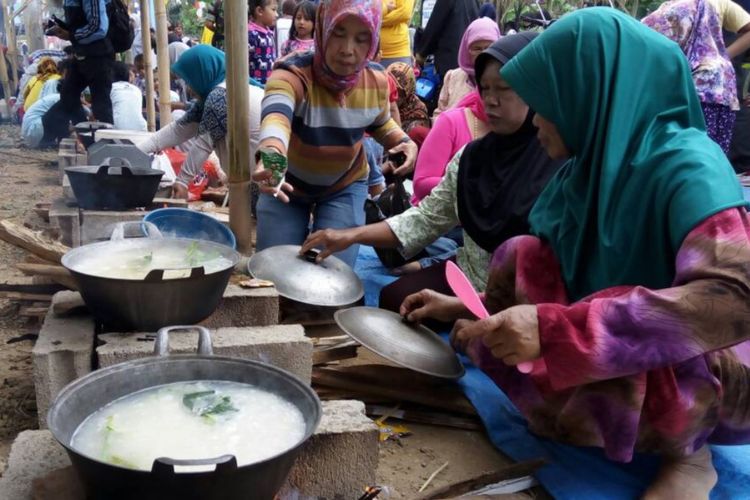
[113, 185]
[260, 480]
[157, 300]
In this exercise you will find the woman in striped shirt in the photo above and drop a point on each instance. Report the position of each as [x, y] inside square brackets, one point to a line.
[316, 110]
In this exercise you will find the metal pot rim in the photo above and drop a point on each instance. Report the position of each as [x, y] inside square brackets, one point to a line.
[226, 251]
[94, 376]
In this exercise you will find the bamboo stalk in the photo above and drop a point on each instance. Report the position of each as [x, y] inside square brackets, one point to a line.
[162, 55]
[147, 64]
[5, 82]
[10, 37]
[238, 136]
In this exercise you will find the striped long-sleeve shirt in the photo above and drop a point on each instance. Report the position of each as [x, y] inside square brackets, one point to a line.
[320, 134]
[88, 22]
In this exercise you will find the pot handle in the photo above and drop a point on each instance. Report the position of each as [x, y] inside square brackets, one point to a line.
[205, 346]
[311, 255]
[164, 466]
[157, 275]
[122, 163]
[148, 228]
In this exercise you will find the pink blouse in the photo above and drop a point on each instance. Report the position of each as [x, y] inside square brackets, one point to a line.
[450, 133]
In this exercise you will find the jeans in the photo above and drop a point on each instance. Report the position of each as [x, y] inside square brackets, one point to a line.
[282, 223]
[374, 153]
[94, 72]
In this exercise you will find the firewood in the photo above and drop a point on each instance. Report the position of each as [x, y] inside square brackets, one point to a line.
[32, 241]
[58, 273]
[31, 297]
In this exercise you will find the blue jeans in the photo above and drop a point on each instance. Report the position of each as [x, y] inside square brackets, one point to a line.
[282, 223]
[374, 153]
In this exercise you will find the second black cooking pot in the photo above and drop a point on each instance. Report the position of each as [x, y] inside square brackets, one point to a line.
[113, 185]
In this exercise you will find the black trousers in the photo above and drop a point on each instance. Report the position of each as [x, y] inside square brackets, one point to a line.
[94, 72]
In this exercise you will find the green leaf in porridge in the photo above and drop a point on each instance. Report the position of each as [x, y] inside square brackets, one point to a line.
[208, 403]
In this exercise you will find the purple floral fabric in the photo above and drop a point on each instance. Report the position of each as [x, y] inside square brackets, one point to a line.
[695, 26]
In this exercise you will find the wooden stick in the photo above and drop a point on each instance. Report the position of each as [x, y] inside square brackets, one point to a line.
[335, 353]
[148, 65]
[238, 134]
[427, 417]
[510, 472]
[433, 476]
[32, 241]
[58, 273]
[162, 55]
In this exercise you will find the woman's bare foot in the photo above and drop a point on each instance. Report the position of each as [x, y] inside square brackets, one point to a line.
[686, 478]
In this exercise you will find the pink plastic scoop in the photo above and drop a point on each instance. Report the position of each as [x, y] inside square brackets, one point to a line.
[464, 290]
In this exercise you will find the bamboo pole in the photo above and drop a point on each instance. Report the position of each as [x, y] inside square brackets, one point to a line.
[238, 127]
[146, 40]
[162, 55]
[10, 37]
[5, 82]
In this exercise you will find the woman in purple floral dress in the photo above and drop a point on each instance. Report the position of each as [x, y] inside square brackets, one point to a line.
[694, 25]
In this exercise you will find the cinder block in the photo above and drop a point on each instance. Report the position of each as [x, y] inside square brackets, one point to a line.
[64, 215]
[341, 458]
[245, 307]
[63, 352]
[33, 455]
[284, 346]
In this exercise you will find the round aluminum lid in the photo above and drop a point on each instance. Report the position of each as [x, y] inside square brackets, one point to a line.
[412, 346]
[331, 283]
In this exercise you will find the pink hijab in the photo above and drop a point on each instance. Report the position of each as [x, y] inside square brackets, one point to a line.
[330, 13]
[483, 28]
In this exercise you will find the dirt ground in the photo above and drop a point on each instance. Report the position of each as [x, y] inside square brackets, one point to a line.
[28, 177]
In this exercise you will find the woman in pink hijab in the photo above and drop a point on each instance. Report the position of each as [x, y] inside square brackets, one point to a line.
[460, 81]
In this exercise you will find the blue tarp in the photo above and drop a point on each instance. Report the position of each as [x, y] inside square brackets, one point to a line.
[573, 473]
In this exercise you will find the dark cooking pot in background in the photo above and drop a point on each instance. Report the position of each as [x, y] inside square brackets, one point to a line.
[155, 301]
[260, 480]
[113, 185]
[86, 131]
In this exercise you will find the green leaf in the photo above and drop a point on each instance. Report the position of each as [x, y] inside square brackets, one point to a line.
[208, 403]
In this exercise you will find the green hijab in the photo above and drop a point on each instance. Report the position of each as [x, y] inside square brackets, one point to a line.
[643, 172]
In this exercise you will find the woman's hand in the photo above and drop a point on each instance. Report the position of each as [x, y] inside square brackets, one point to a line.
[410, 149]
[329, 241]
[511, 335]
[261, 177]
[430, 304]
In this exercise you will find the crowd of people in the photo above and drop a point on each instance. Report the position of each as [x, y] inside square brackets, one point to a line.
[579, 175]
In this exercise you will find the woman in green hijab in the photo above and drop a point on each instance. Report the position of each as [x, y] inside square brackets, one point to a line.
[632, 299]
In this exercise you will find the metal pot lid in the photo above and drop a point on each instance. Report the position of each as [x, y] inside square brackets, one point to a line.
[330, 283]
[412, 346]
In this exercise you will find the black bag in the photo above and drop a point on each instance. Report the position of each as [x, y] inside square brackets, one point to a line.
[393, 201]
[121, 30]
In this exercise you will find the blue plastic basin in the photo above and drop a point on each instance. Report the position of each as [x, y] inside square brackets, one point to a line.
[184, 223]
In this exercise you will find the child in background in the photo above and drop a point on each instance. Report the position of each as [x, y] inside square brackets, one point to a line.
[284, 24]
[260, 38]
[303, 29]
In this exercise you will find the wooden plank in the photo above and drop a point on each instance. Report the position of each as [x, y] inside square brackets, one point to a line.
[26, 296]
[58, 273]
[335, 353]
[26, 284]
[33, 312]
[457, 489]
[426, 417]
[169, 202]
[441, 399]
[32, 241]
